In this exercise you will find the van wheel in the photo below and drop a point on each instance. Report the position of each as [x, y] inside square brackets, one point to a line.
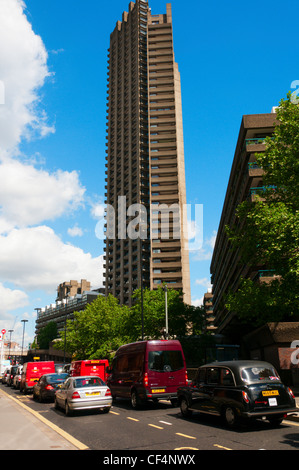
[135, 401]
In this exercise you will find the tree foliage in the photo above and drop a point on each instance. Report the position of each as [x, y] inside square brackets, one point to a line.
[96, 331]
[47, 334]
[104, 325]
[267, 233]
[182, 318]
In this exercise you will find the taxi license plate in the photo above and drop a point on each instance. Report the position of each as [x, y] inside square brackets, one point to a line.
[270, 393]
[158, 390]
[88, 394]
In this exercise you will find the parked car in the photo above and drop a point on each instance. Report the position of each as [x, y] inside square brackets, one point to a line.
[17, 378]
[31, 373]
[10, 377]
[5, 375]
[80, 393]
[148, 370]
[237, 390]
[45, 388]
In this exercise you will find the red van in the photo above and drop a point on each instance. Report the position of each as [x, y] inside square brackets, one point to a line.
[90, 367]
[31, 373]
[148, 370]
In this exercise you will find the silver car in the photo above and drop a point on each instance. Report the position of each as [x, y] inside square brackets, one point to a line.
[17, 378]
[84, 392]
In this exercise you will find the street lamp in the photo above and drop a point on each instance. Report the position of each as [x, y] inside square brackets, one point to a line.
[10, 332]
[166, 313]
[24, 321]
[65, 317]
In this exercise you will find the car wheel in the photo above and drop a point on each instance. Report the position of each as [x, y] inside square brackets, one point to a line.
[135, 401]
[68, 411]
[106, 410]
[230, 416]
[56, 406]
[186, 413]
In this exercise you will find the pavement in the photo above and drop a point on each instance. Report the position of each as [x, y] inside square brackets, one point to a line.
[22, 428]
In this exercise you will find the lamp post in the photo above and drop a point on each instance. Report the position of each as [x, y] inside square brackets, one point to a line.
[166, 313]
[65, 317]
[23, 321]
[10, 332]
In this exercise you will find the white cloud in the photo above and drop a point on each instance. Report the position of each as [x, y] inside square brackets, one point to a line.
[206, 252]
[23, 70]
[36, 258]
[197, 302]
[30, 196]
[205, 282]
[75, 231]
[11, 299]
[32, 256]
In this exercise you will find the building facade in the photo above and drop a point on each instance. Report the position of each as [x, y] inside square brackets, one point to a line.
[246, 180]
[145, 173]
[72, 296]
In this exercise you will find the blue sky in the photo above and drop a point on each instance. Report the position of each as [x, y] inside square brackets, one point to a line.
[235, 58]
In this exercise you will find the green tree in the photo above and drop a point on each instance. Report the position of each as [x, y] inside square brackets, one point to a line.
[182, 319]
[47, 334]
[267, 233]
[97, 331]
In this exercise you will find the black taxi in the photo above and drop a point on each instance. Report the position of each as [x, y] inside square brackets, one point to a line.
[238, 389]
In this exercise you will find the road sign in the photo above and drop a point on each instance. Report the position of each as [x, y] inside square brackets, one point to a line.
[3, 331]
[0, 337]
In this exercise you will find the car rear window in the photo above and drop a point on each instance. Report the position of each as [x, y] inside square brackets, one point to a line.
[259, 374]
[88, 382]
[56, 378]
[165, 361]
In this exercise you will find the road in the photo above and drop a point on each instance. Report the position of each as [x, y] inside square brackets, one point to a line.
[161, 427]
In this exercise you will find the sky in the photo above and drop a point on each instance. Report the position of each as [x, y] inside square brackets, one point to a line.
[235, 58]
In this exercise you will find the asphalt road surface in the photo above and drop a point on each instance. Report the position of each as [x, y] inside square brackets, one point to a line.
[161, 427]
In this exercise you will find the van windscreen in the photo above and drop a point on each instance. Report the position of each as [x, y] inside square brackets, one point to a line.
[165, 361]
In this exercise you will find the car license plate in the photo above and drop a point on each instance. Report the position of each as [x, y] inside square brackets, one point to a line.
[270, 393]
[158, 390]
[88, 394]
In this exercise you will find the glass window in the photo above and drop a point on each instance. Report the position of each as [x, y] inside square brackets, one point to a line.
[213, 376]
[201, 376]
[165, 361]
[83, 382]
[259, 374]
[227, 377]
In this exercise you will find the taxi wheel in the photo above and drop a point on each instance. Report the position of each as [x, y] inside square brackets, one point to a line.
[275, 421]
[230, 416]
[186, 413]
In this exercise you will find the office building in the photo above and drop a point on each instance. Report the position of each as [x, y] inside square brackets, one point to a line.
[144, 158]
[246, 180]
